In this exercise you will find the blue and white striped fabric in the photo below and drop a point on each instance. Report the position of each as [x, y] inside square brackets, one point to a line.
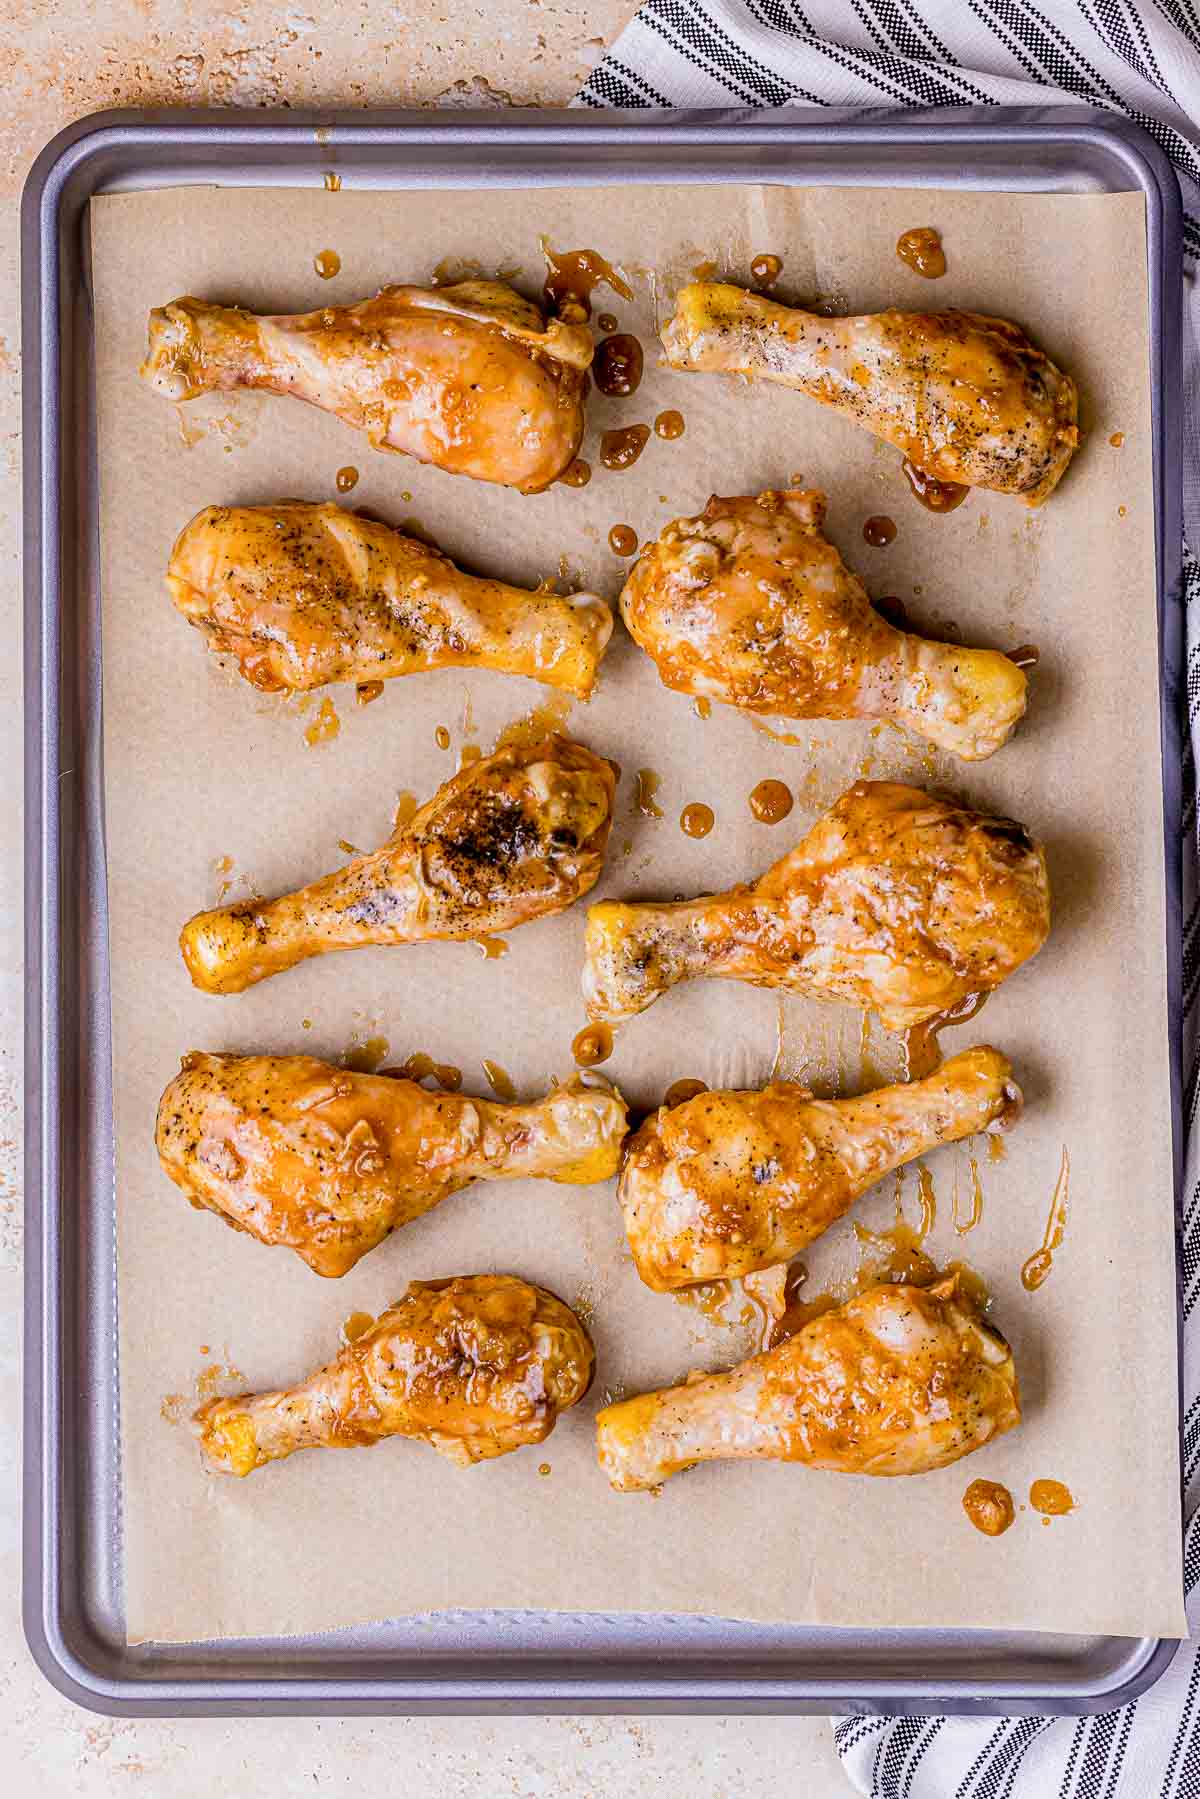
[1140, 58]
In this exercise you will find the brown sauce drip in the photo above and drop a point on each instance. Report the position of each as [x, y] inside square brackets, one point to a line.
[934, 495]
[620, 448]
[572, 276]
[922, 1052]
[879, 531]
[577, 473]
[327, 263]
[996, 1148]
[325, 726]
[422, 1067]
[647, 787]
[968, 1221]
[928, 1199]
[1026, 655]
[593, 1044]
[333, 183]
[492, 948]
[356, 1325]
[607, 321]
[1117, 439]
[405, 810]
[760, 724]
[470, 752]
[669, 424]
[771, 801]
[366, 691]
[1038, 1266]
[499, 1080]
[1051, 1498]
[346, 478]
[702, 707]
[622, 540]
[696, 820]
[679, 1092]
[537, 724]
[442, 738]
[921, 251]
[543, 1468]
[891, 607]
[766, 270]
[366, 1057]
[704, 271]
[989, 1506]
[617, 369]
[347, 848]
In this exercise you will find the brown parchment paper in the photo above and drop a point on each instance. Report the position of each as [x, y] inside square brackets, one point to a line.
[201, 769]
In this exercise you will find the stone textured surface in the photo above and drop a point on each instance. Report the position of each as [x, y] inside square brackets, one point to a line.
[62, 60]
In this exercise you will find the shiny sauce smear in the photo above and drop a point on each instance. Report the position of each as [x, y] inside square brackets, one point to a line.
[879, 531]
[1051, 1498]
[647, 787]
[669, 424]
[422, 1067]
[346, 478]
[1038, 1266]
[499, 1080]
[327, 263]
[921, 251]
[593, 1044]
[989, 1506]
[766, 270]
[771, 801]
[934, 495]
[922, 1053]
[617, 369]
[679, 1092]
[572, 276]
[1026, 655]
[622, 540]
[620, 448]
[577, 473]
[696, 820]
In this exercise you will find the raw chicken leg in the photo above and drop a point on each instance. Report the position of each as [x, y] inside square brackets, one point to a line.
[303, 595]
[967, 398]
[470, 377]
[516, 836]
[328, 1161]
[900, 1380]
[728, 1183]
[475, 1367]
[749, 604]
[896, 901]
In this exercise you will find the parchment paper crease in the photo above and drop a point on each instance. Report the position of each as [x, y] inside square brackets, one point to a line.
[200, 768]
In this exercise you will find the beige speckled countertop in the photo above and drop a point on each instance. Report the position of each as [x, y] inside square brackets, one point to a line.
[63, 59]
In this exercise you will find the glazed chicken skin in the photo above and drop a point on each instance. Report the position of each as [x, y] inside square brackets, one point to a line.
[749, 604]
[731, 1182]
[328, 1162]
[471, 377]
[304, 595]
[967, 398]
[900, 1380]
[476, 1367]
[896, 901]
[515, 836]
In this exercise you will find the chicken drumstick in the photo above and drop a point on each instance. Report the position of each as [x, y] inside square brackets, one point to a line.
[305, 594]
[471, 377]
[516, 836]
[896, 901]
[899, 1380]
[328, 1162]
[749, 604]
[475, 1367]
[728, 1182]
[966, 397]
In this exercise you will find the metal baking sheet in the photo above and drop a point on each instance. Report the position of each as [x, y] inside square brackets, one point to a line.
[448, 1662]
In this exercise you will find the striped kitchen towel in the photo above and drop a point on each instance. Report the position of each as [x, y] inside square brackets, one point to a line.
[1140, 58]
